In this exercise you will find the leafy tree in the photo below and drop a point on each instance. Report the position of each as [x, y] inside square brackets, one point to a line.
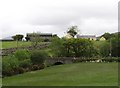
[22, 55]
[80, 48]
[115, 46]
[27, 38]
[38, 56]
[57, 47]
[72, 30]
[104, 49]
[18, 37]
[35, 40]
[73, 47]
[106, 36]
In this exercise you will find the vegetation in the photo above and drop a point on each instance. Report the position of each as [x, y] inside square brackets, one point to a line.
[13, 44]
[38, 57]
[35, 40]
[78, 74]
[22, 54]
[18, 37]
[27, 38]
[72, 47]
[113, 41]
[106, 36]
[23, 61]
[72, 30]
[10, 65]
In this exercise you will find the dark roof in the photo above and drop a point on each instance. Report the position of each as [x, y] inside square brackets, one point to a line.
[86, 36]
[39, 33]
[7, 38]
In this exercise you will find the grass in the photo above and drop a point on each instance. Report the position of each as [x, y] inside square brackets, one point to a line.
[77, 74]
[12, 44]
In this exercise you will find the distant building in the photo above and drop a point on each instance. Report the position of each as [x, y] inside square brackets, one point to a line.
[68, 36]
[44, 36]
[90, 37]
[101, 39]
[7, 39]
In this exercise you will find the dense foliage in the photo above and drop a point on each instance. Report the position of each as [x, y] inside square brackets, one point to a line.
[18, 37]
[23, 61]
[72, 30]
[38, 56]
[73, 47]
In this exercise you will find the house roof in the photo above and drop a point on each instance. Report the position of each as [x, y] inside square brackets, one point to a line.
[86, 36]
[7, 38]
[42, 34]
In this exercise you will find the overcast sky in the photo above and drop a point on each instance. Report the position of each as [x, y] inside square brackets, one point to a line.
[93, 17]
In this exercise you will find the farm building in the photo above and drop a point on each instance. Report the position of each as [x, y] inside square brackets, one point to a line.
[44, 36]
[90, 37]
[102, 39]
[7, 39]
[68, 36]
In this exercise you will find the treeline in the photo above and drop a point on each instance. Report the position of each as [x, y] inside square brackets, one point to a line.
[113, 41]
[75, 47]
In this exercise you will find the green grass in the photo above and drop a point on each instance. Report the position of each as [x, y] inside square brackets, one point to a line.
[77, 74]
[12, 44]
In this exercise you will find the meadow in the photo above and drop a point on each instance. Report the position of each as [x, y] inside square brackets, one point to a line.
[76, 74]
[12, 44]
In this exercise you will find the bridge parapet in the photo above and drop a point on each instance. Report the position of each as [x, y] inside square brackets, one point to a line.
[64, 60]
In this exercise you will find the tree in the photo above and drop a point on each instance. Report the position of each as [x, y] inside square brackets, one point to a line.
[27, 38]
[115, 46]
[35, 40]
[104, 49]
[38, 56]
[72, 31]
[57, 47]
[80, 48]
[106, 36]
[18, 37]
[73, 47]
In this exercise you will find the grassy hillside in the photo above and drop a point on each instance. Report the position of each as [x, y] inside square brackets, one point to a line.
[78, 74]
[11, 44]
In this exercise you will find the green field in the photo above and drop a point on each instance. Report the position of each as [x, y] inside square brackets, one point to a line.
[77, 74]
[11, 44]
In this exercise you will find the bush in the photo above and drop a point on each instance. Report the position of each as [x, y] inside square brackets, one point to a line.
[25, 63]
[22, 55]
[38, 67]
[9, 63]
[93, 59]
[38, 56]
[24, 60]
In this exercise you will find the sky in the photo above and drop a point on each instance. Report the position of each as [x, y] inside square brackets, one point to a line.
[93, 17]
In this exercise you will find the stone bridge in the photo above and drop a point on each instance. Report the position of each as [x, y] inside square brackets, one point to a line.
[59, 60]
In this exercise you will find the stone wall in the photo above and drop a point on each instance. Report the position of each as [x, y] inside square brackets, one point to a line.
[4, 52]
[64, 60]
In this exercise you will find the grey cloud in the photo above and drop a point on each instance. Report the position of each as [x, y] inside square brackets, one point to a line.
[56, 16]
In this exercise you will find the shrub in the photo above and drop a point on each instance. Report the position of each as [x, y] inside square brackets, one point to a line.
[38, 56]
[25, 63]
[38, 67]
[22, 55]
[93, 59]
[9, 63]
